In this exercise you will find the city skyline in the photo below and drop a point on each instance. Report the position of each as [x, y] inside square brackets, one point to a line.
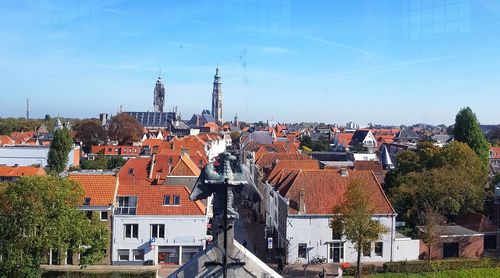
[287, 61]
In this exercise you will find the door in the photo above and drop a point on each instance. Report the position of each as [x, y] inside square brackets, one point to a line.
[490, 242]
[336, 253]
[450, 250]
[69, 257]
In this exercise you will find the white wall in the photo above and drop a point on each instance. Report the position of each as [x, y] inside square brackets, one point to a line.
[27, 155]
[406, 249]
[179, 231]
[317, 234]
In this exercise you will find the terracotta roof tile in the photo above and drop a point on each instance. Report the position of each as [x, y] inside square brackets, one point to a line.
[372, 165]
[325, 190]
[100, 188]
[292, 165]
[21, 171]
[267, 159]
[477, 222]
[185, 167]
[5, 140]
[495, 152]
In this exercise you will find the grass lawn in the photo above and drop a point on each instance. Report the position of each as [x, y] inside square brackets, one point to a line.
[464, 273]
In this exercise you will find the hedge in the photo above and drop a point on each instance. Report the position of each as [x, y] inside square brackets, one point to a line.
[365, 270]
[79, 274]
[439, 265]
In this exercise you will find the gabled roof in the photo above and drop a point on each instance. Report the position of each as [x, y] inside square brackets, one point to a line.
[324, 190]
[370, 165]
[185, 167]
[407, 134]
[292, 165]
[477, 222]
[359, 136]
[150, 200]
[267, 159]
[100, 188]
[343, 138]
[21, 171]
[5, 140]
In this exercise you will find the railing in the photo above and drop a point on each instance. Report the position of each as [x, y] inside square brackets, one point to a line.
[125, 210]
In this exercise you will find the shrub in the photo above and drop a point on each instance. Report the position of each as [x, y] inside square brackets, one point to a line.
[439, 265]
[365, 270]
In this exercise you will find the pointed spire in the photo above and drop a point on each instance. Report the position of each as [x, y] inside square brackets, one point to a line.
[386, 158]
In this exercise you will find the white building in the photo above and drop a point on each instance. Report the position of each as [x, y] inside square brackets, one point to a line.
[301, 208]
[27, 155]
[157, 225]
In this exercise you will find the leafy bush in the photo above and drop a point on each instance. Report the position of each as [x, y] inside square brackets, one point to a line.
[439, 265]
[79, 274]
[365, 270]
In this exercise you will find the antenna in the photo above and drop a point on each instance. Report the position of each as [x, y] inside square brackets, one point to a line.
[27, 109]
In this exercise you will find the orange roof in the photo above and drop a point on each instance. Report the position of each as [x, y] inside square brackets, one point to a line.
[100, 188]
[343, 138]
[495, 152]
[185, 167]
[293, 165]
[150, 200]
[374, 166]
[22, 137]
[267, 159]
[324, 190]
[5, 140]
[21, 171]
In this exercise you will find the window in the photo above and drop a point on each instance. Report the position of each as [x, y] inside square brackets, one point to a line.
[135, 150]
[158, 231]
[130, 150]
[104, 216]
[116, 150]
[169, 160]
[188, 252]
[367, 250]
[131, 171]
[379, 247]
[124, 150]
[166, 200]
[110, 149]
[86, 201]
[126, 205]
[138, 254]
[131, 230]
[123, 255]
[302, 250]
[177, 200]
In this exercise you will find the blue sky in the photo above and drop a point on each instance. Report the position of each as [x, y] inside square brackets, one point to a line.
[380, 61]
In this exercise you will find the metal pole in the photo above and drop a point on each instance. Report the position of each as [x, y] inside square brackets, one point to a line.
[224, 259]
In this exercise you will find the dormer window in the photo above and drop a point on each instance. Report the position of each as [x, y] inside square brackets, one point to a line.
[177, 200]
[131, 171]
[86, 201]
[166, 200]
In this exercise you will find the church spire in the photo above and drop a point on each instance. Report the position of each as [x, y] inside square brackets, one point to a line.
[159, 94]
[217, 97]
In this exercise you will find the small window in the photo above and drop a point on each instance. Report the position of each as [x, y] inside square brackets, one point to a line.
[131, 171]
[379, 248]
[110, 149]
[104, 216]
[302, 250]
[169, 160]
[123, 255]
[124, 150]
[166, 200]
[135, 150]
[86, 201]
[177, 200]
[138, 254]
[130, 150]
[367, 249]
[131, 230]
[116, 150]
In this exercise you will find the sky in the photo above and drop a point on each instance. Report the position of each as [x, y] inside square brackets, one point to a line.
[377, 61]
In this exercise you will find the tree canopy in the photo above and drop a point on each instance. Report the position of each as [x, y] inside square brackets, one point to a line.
[125, 129]
[38, 214]
[353, 219]
[468, 131]
[59, 150]
[451, 179]
[89, 132]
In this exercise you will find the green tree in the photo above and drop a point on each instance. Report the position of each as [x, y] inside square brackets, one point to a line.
[353, 218]
[431, 221]
[451, 179]
[47, 118]
[322, 145]
[467, 130]
[38, 214]
[125, 129]
[305, 141]
[59, 150]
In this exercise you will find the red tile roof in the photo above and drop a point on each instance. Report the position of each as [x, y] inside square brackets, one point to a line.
[5, 140]
[267, 159]
[325, 190]
[477, 222]
[343, 138]
[150, 200]
[21, 171]
[99, 187]
[185, 167]
[374, 166]
[292, 165]
[495, 152]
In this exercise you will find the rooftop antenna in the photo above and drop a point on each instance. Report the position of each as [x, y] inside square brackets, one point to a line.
[27, 109]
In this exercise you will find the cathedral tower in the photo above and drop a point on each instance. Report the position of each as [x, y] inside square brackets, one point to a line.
[159, 95]
[217, 98]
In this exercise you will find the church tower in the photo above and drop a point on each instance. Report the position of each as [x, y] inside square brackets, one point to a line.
[159, 95]
[217, 98]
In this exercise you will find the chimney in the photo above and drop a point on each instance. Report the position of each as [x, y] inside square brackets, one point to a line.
[302, 204]
[184, 151]
[151, 166]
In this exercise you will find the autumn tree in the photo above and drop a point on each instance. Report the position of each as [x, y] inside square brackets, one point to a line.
[468, 131]
[125, 129]
[450, 178]
[89, 132]
[39, 214]
[353, 218]
[305, 141]
[59, 149]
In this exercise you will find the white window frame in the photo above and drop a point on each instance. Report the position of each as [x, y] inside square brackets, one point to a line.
[132, 225]
[100, 215]
[157, 226]
[136, 252]
[123, 251]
